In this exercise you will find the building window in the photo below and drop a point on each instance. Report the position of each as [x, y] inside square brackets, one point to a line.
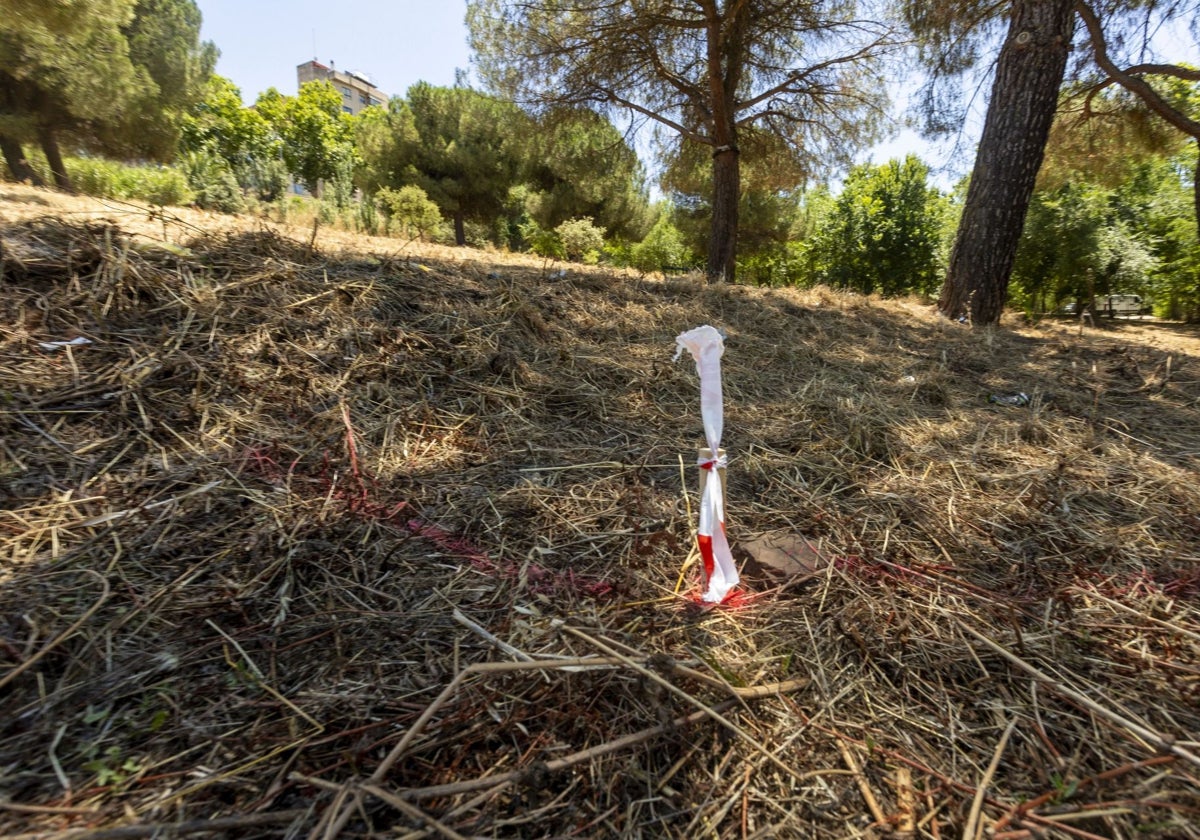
[347, 109]
[346, 92]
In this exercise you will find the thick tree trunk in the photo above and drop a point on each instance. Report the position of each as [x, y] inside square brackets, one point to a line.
[17, 164]
[460, 230]
[722, 239]
[54, 158]
[1024, 98]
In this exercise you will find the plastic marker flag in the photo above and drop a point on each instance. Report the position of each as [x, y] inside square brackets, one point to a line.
[707, 345]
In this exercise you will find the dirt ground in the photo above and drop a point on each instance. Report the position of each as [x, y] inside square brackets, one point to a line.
[309, 534]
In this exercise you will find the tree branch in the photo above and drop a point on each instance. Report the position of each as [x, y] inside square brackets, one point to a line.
[611, 97]
[691, 91]
[1176, 70]
[799, 75]
[1128, 80]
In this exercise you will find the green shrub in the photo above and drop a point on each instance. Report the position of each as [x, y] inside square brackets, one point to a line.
[111, 179]
[339, 189]
[294, 209]
[618, 253]
[662, 248]
[779, 266]
[581, 239]
[411, 209]
[367, 217]
[478, 234]
[544, 243]
[161, 186]
[265, 178]
[91, 176]
[214, 183]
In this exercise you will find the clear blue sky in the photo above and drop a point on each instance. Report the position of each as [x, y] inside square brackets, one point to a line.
[397, 43]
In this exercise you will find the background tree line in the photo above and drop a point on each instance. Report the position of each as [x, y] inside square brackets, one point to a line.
[1085, 182]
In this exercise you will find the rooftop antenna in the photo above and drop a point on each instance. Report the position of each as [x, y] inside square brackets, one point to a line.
[314, 34]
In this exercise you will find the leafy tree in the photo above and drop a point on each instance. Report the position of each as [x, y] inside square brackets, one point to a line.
[1095, 237]
[1103, 135]
[883, 232]
[1182, 109]
[36, 40]
[467, 152]
[57, 68]
[813, 207]
[1154, 204]
[386, 138]
[316, 136]
[1108, 136]
[113, 79]
[705, 71]
[578, 165]
[1060, 256]
[1020, 112]
[953, 37]
[164, 44]
[767, 206]
[63, 17]
[219, 125]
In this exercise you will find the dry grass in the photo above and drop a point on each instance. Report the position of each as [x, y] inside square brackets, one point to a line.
[339, 537]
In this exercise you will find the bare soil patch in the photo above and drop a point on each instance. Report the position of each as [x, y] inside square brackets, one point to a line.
[344, 537]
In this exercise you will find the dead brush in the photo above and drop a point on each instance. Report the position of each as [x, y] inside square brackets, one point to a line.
[294, 549]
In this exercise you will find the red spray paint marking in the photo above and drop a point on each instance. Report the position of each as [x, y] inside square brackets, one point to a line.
[360, 497]
[736, 599]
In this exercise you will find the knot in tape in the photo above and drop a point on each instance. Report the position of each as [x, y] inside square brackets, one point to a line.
[719, 463]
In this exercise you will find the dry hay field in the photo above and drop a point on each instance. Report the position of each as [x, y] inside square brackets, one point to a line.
[325, 536]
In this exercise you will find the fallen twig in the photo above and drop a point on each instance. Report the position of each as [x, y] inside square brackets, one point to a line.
[1161, 741]
[973, 829]
[133, 832]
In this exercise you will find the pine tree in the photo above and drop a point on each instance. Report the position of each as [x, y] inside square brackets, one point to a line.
[705, 71]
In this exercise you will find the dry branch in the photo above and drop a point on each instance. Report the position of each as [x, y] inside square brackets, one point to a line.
[1163, 742]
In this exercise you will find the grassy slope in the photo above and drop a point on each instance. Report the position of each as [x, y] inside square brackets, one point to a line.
[253, 530]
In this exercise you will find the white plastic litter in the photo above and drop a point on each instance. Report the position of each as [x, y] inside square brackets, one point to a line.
[51, 346]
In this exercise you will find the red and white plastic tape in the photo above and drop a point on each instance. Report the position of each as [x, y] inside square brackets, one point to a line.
[707, 345]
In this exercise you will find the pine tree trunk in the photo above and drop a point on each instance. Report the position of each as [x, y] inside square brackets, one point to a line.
[54, 158]
[460, 231]
[1024, 98]
[722, 240]
[17, 164]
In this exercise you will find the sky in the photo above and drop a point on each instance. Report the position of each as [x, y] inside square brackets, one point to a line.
[397, 43]
[394, 42]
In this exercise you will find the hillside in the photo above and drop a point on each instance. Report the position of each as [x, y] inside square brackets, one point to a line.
[313, 535]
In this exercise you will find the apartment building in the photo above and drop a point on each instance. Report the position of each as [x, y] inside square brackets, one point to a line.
[357, 90]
